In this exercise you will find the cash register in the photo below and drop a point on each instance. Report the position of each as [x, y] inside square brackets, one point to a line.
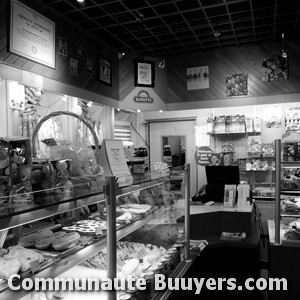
[217, 177]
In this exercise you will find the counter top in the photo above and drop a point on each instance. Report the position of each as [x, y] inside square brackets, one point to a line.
[202, 209]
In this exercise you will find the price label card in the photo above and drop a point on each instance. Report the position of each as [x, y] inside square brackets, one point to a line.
[35, 266]
[98, 231]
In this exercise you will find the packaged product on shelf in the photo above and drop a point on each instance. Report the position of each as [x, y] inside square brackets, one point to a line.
[254, 145]
[268, 150]
[220, 125]
[210, 123]
[229, 124]
[249, 124]
[257, 126]
[15, 169]
[242, 125]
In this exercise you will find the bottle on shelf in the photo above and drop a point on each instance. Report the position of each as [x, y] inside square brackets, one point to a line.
[210, 124]
[167, 155]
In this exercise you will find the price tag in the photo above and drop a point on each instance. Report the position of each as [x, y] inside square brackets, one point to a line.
[35, 266]
[98, 231]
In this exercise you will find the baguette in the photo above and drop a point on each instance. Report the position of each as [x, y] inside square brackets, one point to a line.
[64, 242]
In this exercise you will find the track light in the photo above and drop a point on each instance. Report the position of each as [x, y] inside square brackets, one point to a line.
[162, 64]
[284, 52]
[216, 33]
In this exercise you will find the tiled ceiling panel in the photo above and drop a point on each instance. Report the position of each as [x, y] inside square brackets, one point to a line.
[172, 27]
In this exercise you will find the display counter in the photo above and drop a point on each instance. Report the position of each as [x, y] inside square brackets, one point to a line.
[215, 219]
[139, 221]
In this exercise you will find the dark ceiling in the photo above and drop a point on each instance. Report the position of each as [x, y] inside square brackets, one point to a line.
[170, 27]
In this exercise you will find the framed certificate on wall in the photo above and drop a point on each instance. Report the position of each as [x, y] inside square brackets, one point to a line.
[31, 35]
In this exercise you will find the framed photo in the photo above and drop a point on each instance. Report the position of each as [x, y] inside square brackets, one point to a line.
[144, 73]
[236, 85]
[104, 70]
[79, 51]
[31, 35]
[74, 67]
[89, 65]
[62, 46]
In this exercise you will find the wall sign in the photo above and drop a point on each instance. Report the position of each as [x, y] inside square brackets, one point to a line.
[143, 96]
[31, 35]
[197, 78]
[203, 156]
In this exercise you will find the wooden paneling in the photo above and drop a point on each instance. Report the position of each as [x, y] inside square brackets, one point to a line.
[74, 36]
[246, 59]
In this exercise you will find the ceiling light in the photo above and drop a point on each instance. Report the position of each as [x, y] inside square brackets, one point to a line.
[80, 1]
[160, 111]
[162, 64]
[138, 110]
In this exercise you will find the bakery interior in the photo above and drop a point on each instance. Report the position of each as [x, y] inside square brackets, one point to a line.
[144, 137]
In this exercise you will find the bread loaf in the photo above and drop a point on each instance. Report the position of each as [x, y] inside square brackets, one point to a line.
[64, 242]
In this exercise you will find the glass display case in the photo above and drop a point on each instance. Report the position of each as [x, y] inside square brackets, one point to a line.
[118, 230]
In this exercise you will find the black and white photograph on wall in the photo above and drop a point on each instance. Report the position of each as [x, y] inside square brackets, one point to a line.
[197, 78]
[104, 70]
[89, 65]
[79, 51]
[62, 46]
[275, 68]
[236, 85]
[73, 66]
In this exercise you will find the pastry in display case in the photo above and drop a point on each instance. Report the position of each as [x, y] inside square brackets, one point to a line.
[68, 243]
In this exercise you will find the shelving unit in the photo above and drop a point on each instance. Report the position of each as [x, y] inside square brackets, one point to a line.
[279, 227]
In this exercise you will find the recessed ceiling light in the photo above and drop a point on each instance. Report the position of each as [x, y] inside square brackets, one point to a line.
[80, 1]
[138, 110]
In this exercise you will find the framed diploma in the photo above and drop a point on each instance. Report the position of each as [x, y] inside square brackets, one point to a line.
[31, 35]
[144, 73]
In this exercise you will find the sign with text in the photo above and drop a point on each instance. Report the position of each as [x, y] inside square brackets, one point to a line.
[31, 35]
[143, 97]
[203, 156]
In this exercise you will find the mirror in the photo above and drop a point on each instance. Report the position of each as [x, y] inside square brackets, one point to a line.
[173, 150]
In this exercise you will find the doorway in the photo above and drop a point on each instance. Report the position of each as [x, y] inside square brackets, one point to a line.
[159, 130]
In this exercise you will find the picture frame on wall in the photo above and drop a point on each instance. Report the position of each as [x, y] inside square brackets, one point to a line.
[79, 51]
[144, 73]
[25, 40]
[105, 70]
[62, 46]
[89, 66]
